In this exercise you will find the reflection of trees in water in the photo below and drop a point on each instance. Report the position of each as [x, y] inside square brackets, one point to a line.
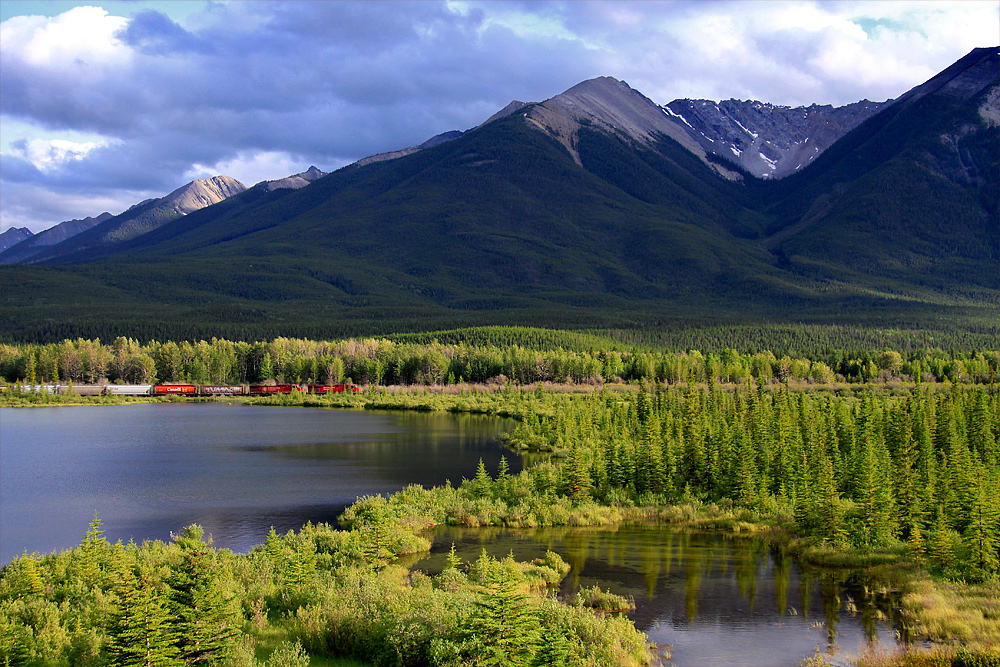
[782, 573]
[747, 554]
[718, 575]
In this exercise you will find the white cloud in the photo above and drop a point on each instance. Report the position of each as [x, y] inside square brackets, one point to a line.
[97, 103]
[52, 153]
[79, 42]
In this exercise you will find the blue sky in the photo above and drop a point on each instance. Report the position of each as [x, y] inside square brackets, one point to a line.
[103, 104]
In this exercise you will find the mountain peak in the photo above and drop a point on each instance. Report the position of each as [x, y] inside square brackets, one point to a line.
[768, 140]
[296, 181]
[967, 77]
[13, 236]
[200, 193]
[614, 106]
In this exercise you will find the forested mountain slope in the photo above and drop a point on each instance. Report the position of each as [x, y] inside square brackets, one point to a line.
[585, 210]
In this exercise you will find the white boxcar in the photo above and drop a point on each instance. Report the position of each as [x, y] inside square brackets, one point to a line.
[130, 389]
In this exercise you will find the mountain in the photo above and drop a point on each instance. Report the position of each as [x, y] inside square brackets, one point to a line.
[296, 181]
[614, 108]
[595, 208]
[392, 155]
[34, 245]
[201, 193]
[13, 236]
[140, 219]
[767, 140]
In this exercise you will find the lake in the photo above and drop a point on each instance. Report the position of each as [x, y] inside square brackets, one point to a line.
[237, 470]
[714, 599]
[149, 469]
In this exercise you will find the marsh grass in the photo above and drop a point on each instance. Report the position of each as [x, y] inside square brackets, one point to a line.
[947, 611]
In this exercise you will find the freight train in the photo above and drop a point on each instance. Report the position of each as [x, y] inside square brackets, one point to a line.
[187, 389]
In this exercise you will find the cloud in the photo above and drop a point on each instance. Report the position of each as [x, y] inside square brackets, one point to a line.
[253, 86]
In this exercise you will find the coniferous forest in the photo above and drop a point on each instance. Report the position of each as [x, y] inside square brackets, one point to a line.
[885, 458]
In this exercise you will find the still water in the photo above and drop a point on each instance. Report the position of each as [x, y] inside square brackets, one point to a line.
[148, 470]
[237, 470]
[712, 599]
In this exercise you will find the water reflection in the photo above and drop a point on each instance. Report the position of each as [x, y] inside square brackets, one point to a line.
[716, 599]
[236, 470]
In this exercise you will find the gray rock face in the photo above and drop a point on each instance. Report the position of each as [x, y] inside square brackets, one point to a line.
[392, 155]
[33, 245]
[767, 140]
[13, 236]
[296, 181]
[105, 230]
[963, 80]
[615, 107]
[201, 193]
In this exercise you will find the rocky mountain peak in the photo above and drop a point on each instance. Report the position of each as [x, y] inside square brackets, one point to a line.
[966, 78]
[13, 236]
[614, 106]
[296, 181]
[768, 140]
[201, 193]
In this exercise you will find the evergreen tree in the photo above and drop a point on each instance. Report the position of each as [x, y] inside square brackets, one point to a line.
[982, 536]
[205, 620]
[503, 626]
[140, 629]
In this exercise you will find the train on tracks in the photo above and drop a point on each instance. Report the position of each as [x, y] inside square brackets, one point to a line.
[190, 390]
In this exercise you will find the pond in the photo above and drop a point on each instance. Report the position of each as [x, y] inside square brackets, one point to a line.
[712, 599]
[237, 470]
[149, 469]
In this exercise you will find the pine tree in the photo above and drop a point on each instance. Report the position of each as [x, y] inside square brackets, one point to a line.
[205, 620]
[94, 553]
[981, 536]
[140, 629]
[555, 647]
[503, 626]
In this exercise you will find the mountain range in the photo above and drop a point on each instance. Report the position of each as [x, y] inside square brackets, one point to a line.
[596, 207]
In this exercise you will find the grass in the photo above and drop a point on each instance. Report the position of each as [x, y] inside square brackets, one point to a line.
[952, 611]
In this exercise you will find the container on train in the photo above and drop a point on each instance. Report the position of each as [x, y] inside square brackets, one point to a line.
[273, 388]
[129, 389]
[175, 389]
[223, 390]
[85, 389]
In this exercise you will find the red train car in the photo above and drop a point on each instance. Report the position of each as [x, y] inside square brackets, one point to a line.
[175, 389]
[272, 388]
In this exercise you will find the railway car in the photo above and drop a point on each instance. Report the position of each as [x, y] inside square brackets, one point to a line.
[85, 389]
[175, 390]
[129, 389]
[41, 388]
[222, 390]
[333, 388]
[265, 389]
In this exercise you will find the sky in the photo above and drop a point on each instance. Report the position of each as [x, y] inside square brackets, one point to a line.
[107, 103]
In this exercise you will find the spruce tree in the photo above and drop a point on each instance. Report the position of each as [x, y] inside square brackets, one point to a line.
[140, 628]
[503, 625]
[205, 619]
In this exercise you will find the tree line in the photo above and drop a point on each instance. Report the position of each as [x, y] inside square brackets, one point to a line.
[384, 361]
[865, 471]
